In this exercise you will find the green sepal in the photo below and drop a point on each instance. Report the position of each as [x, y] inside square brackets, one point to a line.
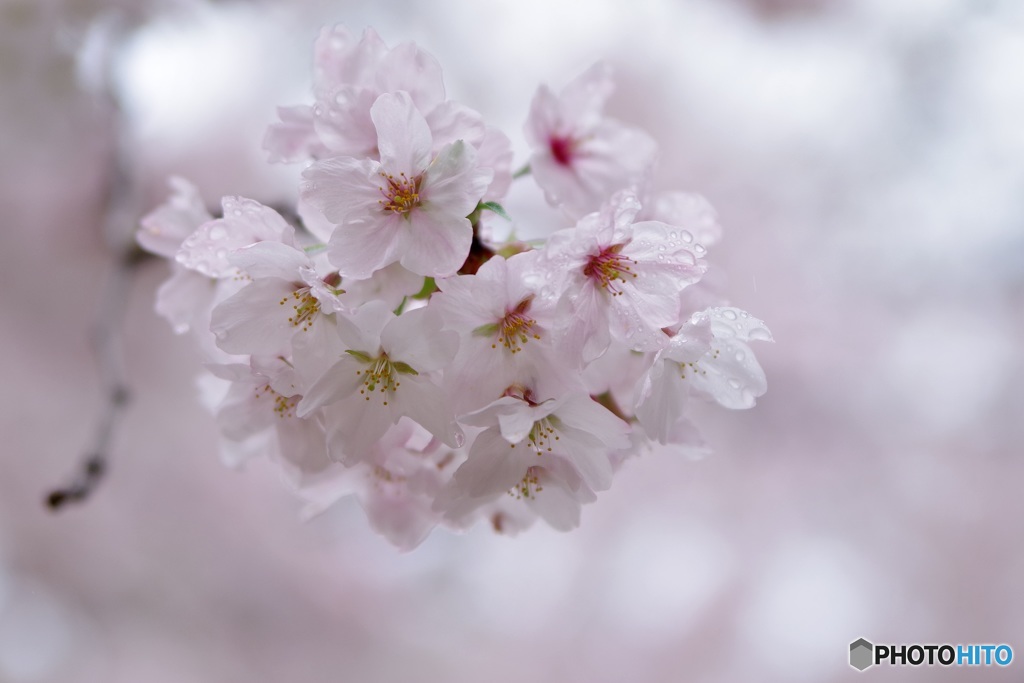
[488, 330]
[403, 368]
[496, 208]
[360, 356]
[429, 287]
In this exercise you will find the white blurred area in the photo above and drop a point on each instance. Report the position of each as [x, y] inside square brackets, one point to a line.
[867, 161]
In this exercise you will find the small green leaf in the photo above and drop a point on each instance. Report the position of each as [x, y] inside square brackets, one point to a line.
[525, 170]
[496, 208]
[360, 355]
[404, 368]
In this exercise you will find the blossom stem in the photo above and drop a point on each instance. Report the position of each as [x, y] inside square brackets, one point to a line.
[110, 359]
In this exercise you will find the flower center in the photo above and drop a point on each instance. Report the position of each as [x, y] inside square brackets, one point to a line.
[688, 369]
[516, 328]
[542, 437]
[529, 486]
[284, 406]
[381, 374]
[401, 193]
[305, 308]
[608, 266]
[562, 149]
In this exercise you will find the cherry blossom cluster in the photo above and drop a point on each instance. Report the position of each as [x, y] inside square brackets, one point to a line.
[388, 345]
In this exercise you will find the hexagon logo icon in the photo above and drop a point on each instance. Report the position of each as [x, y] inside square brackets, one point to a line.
[861, 654]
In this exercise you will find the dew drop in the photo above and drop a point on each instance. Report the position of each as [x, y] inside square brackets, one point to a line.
[734, 383]
[687, 237]
[729, 314]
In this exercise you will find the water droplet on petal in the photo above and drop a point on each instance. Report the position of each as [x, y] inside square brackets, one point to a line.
[729, 314]
[687, 237]
[734, 383]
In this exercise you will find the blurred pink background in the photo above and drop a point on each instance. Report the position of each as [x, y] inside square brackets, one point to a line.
[867, 161]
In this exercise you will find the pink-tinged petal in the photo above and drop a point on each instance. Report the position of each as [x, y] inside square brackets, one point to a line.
[555, 505]
[341, 121]
[631, 150]
[729, 323]
[183, 297]
[479, 375]
[545, 119]
[451, 121]
[417, 338]
[316, 351]
[338, 58]
[360, 248]
[662, 400]
[415, 71]
[403, 136]
[495, 153]
[729, 374]
[424, 402]
[584, 97]
[453, 182]
[402, 518]
[436, 244]
[663, 245]
[691, 342]
[589, 416]
[362, 330]
[164, 229]
[270, 259]
[354, 427]
[293, 138]
[692, 213]
[343, 188]
[563, 186]
[488, 415]
[587, 458]
[254, 321]
[390, 284]
[466, 302]
[245, 221]
[516, 425]
[314, 221]
[590, 325]
[339, 382]
[302, 452]
[245, 411]
[494, 466]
